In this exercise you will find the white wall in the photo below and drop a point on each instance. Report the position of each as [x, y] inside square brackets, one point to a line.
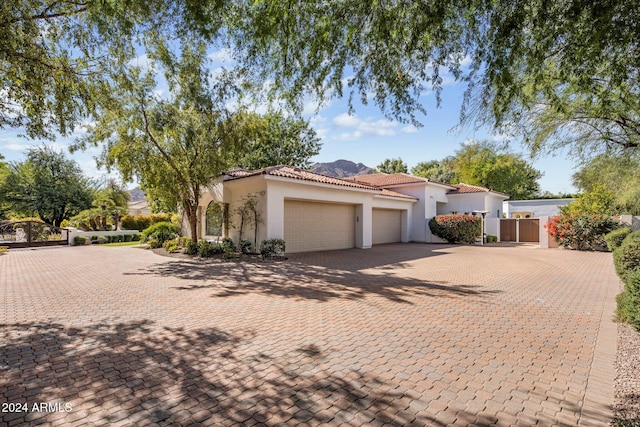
[538, 208]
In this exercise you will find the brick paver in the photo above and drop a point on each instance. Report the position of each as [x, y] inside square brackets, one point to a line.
[404, 334]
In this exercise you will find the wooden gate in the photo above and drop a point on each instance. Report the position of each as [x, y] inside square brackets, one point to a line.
[529, 230]
[508, 230]
[520, 230]
[25, 234]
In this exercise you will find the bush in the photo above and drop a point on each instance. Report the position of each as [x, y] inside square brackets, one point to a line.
[207, 249]
[94, 238]
[184, 241]
[244, 246]
[582, 232]
[127, 237]
[627, 257]
[628, 309]
[158, 233]
[271, 248]
[171, 246]
[457, 228]
[79, 240]
[615, 238]
[142, 222]
[191, 248]
[135, 237]
[4, 250]
[101, 240]
[492, 239]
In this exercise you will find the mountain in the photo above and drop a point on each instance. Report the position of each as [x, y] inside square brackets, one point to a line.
[341, 168]
[136, 194]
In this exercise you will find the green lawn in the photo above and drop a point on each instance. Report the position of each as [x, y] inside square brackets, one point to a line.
[123, 244]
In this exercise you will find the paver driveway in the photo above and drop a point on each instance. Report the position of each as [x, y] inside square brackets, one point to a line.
[399, 334]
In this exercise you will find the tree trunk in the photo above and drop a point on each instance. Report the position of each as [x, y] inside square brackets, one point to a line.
[192, 216]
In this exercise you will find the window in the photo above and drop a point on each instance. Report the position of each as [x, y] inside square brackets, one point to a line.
[215, 219]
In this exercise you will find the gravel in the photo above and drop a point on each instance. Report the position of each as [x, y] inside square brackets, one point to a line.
[627, 383]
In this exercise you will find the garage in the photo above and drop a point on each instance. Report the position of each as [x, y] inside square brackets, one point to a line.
[387, 226]
[313, 226]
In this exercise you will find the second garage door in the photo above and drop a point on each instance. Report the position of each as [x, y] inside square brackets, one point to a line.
[312, 226]
[387, 226]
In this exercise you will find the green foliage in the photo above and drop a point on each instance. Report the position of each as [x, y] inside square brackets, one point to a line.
[597, 201]
[628, 309]
[277, 139]
[392, 166]
[487, 165]
[101, 240]
[127, 237]
[191, 248]
[244, 246]
[4, 250]
[207, 249]
[492, 239]
[457, 228]
[174, 144]
[615, 238]
[437, 170]
[272, 248]
[582, 232]
[158, 233]
[79, 240]
[626, 258]
[171, 246]
[615, 176]
[249, 215]
[47, 184]
[136, 237]
[140, 222]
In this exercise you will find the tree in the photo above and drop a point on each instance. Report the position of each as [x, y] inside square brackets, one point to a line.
[392, 166]
[173, 146]
[56, 55]
[597, 201]
[576, 59]
[615, 175]
[484, 164]
[280, 140]
[47, 184]
[437, 170]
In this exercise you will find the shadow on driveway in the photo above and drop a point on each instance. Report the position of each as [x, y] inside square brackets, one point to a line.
[322, 276]
[137, 372]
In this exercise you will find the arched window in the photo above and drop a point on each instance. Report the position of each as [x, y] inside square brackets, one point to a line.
[215, 219]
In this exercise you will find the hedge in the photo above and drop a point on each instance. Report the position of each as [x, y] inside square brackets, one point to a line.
[457, 228]
[626, 259]
[142, 222]
[158, 233]
[615, 238]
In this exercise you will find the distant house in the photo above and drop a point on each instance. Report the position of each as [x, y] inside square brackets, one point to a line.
[533, 208]
[140, 207]
[312, 212]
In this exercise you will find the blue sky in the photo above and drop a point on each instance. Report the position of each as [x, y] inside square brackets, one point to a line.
[363, 137]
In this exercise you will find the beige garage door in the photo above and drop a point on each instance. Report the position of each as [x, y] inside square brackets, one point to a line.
[310, 226]
[387, 225]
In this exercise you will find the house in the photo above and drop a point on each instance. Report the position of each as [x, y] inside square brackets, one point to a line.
[140, 207]
[533, 208]
[311, 211]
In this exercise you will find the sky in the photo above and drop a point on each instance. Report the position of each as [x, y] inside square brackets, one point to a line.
[366, 136]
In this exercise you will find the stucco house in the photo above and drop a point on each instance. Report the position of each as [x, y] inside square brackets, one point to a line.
[311, 211]
[534, 208]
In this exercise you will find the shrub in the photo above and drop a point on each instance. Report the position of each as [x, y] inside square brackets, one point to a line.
[457, 228]
[627, 257]
[79, 240]
[171, 246]
[207, 249]
[492, 239]
[135, 237]
[142, 222]
[127, 237]
[4, 250]
[158, 233]
[244, 246]
[628, 309]
[184, 241]
[94, 238]
[102, 239]
[191, 248]
[614, 239]
[582, 232]
[271, 248]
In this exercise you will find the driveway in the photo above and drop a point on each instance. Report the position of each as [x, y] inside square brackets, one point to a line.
[405, 334]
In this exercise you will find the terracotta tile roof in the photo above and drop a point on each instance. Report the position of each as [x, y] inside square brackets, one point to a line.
[466, 188]
[304, 175]
[389, 193]
[383, 179]
[297, 173]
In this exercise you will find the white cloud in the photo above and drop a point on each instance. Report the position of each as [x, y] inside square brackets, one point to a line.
[222, 55]
[362, 127]
[409, 129]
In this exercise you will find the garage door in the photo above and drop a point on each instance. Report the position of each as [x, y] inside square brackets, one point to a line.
[311, 226]
[387, 225]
